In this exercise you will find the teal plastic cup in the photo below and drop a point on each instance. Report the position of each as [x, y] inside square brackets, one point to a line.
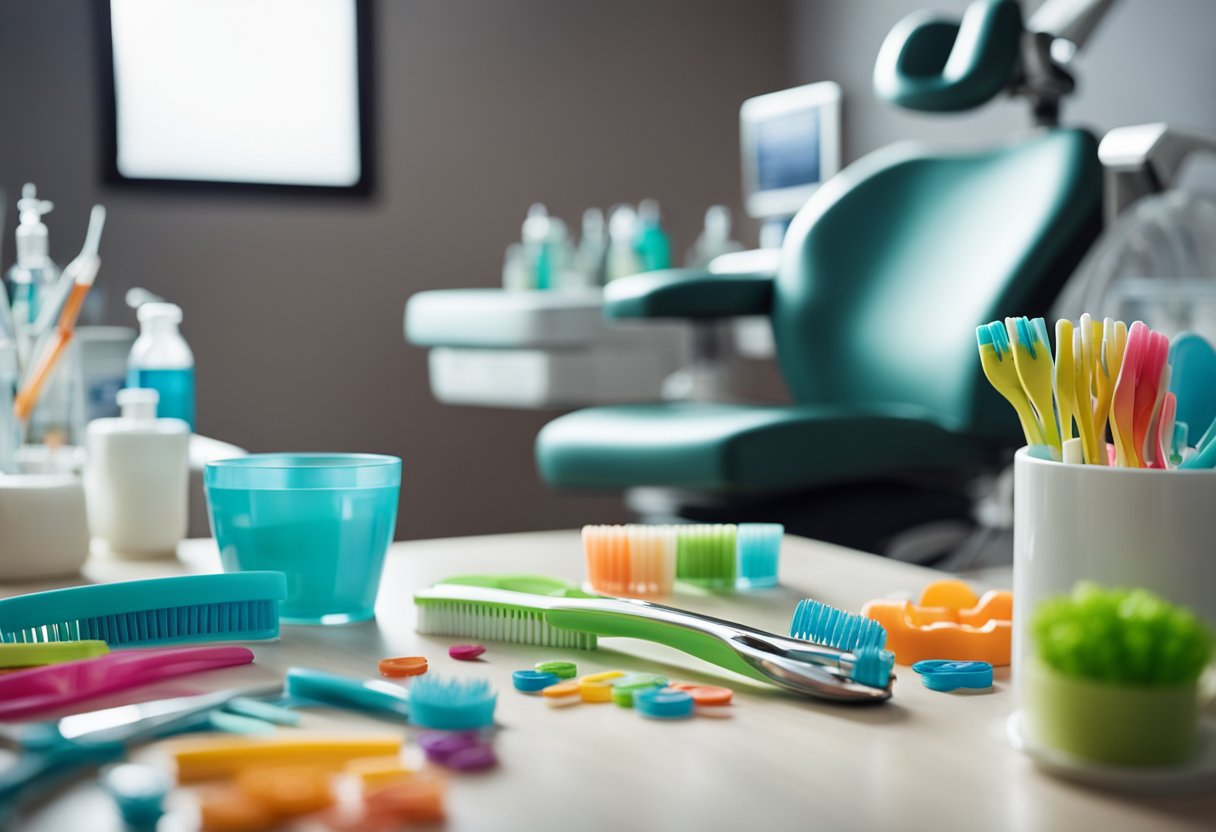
[324, 520]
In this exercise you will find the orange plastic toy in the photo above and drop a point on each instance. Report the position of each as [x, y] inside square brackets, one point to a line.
[949, 622]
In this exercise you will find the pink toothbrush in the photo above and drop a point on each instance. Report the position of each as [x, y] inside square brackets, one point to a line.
[1148, 397]
[27, 692]
[1123, 403]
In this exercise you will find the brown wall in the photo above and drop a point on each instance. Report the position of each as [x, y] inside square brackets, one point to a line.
[293, 306]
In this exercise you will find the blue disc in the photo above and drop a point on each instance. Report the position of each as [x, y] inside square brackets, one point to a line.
[530, 681]
[663, 703]
[945, 675]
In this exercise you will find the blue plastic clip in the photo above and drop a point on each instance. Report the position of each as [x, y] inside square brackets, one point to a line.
[944, 675]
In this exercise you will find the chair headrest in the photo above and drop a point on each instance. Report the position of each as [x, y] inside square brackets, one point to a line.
[935, 64]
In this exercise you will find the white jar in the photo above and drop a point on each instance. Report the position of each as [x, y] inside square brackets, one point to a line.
[137, 478]
[43, 531]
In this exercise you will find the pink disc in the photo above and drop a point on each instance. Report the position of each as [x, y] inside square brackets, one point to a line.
[466, 652]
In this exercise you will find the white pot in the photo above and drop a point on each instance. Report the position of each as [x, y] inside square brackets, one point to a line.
[44, 530]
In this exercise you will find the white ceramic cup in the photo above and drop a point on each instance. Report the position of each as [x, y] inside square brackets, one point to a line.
[1118, 527]
[44, 531]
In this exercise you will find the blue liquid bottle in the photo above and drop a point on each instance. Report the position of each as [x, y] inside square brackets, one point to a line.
[161, 360]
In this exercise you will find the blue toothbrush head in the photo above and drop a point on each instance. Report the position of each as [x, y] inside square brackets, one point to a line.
[1000, 339]
[872, 666]
[452, 704]
[983, 335]
[823, 624]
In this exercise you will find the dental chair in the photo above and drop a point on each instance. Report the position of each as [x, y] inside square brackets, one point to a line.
[883, 276]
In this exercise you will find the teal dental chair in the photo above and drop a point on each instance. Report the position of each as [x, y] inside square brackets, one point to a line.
[884, 275]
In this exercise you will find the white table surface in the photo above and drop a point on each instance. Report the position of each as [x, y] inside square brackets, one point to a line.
[924, 760]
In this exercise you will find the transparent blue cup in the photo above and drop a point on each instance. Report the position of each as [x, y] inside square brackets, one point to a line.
[324, 520]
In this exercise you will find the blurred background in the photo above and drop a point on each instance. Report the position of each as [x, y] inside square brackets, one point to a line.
[293, 304]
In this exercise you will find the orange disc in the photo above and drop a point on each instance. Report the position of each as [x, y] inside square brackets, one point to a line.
[228, 809]
[403, 666]
[419, 799]
[288, 790]
[705, 694]
[561, 689]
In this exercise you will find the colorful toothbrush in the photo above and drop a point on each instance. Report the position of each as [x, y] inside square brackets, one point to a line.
[27, 692]
[1107, 362]
[1148, 385]
[1064, 378]
[1083, 353]
[996, 357]
[479, 610]
[1123, 401]
[1032, 357]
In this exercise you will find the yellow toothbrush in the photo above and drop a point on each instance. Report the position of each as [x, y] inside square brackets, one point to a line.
[996, 357]
[1083, 352]
[1032, 357]
[1065, 378]
[1107, 361]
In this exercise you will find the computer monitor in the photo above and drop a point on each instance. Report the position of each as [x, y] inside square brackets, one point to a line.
[237, 93]
[790, 142]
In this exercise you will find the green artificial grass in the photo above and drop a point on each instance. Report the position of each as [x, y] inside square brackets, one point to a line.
[1121, 636]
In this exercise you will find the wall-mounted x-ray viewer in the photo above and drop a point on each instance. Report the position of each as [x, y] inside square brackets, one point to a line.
[790, 142]
[267, 93]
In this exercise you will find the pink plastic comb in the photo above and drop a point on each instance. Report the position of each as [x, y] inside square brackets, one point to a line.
[27, 692]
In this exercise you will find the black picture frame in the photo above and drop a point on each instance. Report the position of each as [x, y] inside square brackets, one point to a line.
[110, 174]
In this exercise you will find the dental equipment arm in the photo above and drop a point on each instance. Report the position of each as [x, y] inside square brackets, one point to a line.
[1145, 159]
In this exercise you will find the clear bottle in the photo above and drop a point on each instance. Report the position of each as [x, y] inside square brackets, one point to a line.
[137, 478]
[161, 360]
[34, 274]
[654, 249]
[8, 388]
[622, 258]
[590, 259]
[714, 240]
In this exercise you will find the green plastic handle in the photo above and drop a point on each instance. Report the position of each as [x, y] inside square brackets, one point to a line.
[692, 642]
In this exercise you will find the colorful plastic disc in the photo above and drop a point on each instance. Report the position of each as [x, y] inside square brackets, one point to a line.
[466, 652]
[400, 666]
[706, 694]
[663, 703]
[531, 681]
[562, 670]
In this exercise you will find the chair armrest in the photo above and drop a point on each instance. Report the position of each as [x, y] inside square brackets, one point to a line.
[688, 293]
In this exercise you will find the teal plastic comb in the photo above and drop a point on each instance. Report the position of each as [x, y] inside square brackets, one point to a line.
[240, 606]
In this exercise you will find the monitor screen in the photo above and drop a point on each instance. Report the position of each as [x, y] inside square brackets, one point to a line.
[258, 92]
[787, 150]
[791, 143]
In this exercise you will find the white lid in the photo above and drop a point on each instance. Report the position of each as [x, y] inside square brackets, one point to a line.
[168, 312]
[138, 402]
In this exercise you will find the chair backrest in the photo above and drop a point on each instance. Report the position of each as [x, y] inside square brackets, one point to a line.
[887, 270]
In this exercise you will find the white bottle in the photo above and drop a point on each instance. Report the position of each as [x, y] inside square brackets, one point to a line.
[137, 477]
[161, 360]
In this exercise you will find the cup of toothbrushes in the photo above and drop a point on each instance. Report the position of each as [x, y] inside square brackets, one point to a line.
[324, 520]
[1145, 528]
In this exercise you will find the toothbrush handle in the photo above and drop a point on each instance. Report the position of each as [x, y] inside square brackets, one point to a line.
[27, 692]
[332, 689]
[679, 636]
